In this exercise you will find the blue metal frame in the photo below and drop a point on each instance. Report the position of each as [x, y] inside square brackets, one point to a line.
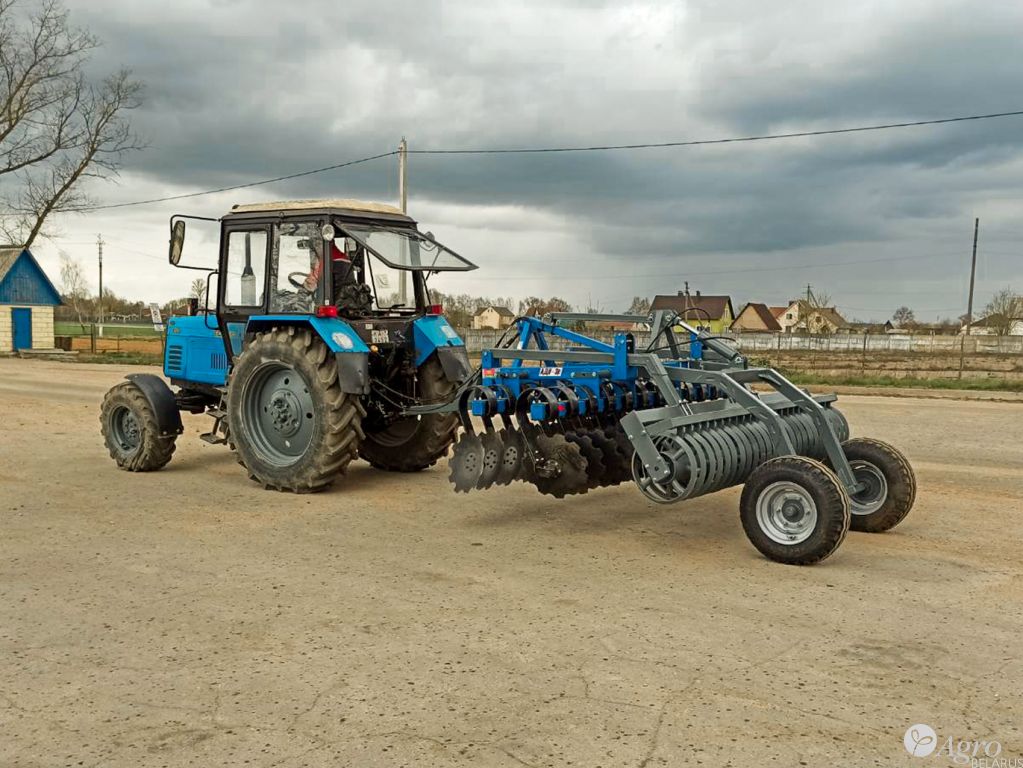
[564, 386]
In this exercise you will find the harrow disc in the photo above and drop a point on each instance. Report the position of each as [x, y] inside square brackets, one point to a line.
[595, 469]
[563, 465]
[466, 463]
[514, 448]
[609, 455]
[493, 450]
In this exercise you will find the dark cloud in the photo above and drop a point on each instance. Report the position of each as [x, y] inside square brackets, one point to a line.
[243, 90]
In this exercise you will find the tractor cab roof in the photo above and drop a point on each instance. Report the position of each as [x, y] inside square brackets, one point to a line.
[334, 206]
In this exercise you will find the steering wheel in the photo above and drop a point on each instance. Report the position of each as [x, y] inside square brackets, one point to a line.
[297, 279]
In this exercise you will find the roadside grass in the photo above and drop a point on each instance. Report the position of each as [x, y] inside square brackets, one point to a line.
[110, 330]
[119, 358]
[866, 380]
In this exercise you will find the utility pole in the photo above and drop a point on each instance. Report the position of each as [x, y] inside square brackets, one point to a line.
[99, 245]
[403, 196]
[973, 275]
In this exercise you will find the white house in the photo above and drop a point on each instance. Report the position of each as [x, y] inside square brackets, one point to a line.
[492, 317]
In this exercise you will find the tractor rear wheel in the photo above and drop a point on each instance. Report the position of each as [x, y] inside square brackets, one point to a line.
[794, 510]
[415, 442]
[130, 430]
[291, 425]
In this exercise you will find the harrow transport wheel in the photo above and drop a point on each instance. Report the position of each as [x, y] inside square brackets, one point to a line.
[415, 442]
[291, 425]
[130, 430]
[794, 510]
[890, 485]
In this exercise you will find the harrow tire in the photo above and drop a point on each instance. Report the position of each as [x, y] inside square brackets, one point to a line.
[415, 443]
[130, 430]
[796, 500]
[891, 484]
[331, 420]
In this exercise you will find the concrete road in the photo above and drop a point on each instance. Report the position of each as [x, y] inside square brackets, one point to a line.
[189, 618]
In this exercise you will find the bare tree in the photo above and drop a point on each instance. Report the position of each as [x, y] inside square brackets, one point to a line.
[903, 317]
[640, 306]
[198, 288]
[1003, 311]
[76, 289]
[57, 129]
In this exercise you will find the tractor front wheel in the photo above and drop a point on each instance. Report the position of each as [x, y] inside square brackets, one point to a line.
[291, 425]
[415, 442]
[131, 432]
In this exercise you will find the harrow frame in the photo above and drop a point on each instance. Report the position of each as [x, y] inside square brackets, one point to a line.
[683, 420]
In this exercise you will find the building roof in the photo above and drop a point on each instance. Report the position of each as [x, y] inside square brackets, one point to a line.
[317, 205]
[22, 280]
[828, 313]
[779, 311]
[995, 319]
[694, 306]
[502, 311]
[763, 312]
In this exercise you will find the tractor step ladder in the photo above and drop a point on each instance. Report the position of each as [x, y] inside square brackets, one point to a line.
[217, 435]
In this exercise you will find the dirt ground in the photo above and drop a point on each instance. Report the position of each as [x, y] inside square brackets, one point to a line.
[189, 618]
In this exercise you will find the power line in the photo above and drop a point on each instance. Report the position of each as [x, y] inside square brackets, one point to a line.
[732, 140]
[689, 273]
[595, 148]
[242, 186]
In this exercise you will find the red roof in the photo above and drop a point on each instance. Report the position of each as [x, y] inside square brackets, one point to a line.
[695, 307]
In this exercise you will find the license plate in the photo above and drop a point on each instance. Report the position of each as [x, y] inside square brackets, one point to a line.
[380, 337]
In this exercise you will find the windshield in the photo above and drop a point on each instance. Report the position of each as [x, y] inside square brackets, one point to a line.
[408, 250]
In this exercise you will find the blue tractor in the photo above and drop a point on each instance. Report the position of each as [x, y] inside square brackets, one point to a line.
[323, 338]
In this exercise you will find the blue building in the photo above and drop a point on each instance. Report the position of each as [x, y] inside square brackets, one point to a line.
[27, 299]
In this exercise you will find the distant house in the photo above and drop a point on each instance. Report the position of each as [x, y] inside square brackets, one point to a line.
[27, 299]
[873, 328]
[755, 318]
[993, 325]
[714, 313]
[492, 317]
[800, 317]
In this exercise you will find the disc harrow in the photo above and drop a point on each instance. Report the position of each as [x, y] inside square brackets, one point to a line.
[681, 420]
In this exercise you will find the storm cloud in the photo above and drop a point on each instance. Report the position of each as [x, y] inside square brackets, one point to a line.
[243, 90]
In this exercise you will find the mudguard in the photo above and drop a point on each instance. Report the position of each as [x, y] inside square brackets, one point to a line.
[350, 352]
[161, 400]
[432, 334]
[455, 363]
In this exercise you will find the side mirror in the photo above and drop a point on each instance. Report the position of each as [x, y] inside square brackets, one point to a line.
[177, 241]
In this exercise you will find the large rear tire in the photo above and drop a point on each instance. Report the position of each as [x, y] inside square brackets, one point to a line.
[131, 432]
[794, 510]
[415, 442]
[291, 425]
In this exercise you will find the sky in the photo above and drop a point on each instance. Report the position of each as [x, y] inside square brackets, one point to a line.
[240, 90]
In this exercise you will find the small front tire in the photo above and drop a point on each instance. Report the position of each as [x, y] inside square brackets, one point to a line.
[794, 510]
[131, 432]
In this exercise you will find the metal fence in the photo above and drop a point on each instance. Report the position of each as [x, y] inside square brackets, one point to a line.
[476, 340]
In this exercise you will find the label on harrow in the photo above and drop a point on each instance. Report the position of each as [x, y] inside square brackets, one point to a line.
[556, 371]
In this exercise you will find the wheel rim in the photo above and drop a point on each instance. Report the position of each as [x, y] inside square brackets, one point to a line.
[125, 429]
[786, 513]
[875, 488]
[279, 412]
